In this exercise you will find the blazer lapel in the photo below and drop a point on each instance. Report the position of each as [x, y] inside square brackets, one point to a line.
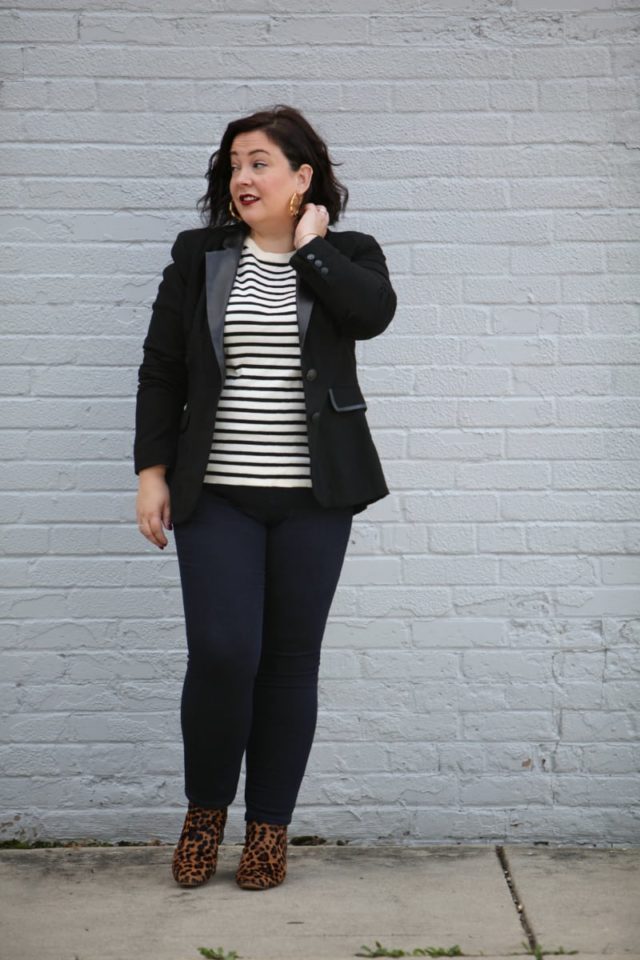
[304, 305]
[220, 271]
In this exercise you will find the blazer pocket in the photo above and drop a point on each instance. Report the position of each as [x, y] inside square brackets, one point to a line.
[344, 398]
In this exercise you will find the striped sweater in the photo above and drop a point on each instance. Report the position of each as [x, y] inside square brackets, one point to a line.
[260, 433]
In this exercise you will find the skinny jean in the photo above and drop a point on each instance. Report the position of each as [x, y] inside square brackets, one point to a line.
[259, 567]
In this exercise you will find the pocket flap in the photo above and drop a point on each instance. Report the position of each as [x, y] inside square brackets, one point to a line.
[347, 397]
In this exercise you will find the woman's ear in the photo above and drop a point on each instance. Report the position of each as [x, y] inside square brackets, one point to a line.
[306, 173]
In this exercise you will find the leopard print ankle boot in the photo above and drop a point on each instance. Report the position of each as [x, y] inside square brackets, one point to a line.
[196, 855]
[264, 858]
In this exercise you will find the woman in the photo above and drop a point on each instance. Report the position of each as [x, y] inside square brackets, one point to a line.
[252, 444]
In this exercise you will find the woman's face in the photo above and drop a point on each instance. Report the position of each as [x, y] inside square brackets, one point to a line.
[259, 167]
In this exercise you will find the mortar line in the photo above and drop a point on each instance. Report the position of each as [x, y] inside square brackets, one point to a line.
[517, 900]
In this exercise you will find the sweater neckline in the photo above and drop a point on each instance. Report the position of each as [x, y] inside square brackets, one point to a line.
[270, 255]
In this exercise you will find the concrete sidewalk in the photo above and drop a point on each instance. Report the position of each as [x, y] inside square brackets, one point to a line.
[121, 903]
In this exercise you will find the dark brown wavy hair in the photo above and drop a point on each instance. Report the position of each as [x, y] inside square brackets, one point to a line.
[299, 142]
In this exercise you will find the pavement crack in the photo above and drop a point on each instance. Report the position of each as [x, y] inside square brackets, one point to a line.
[515, 896]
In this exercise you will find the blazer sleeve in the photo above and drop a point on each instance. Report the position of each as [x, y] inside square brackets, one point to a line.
[356, 290]
[162, 376]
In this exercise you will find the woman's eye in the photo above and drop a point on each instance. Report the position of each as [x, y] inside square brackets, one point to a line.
[258, 163]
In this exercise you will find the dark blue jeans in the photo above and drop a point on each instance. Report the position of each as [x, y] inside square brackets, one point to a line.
[259, 567]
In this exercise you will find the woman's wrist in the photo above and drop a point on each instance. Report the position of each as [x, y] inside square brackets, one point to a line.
[159, 470]
[303, 239]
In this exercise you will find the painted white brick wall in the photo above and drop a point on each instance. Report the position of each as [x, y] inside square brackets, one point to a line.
[480, 673]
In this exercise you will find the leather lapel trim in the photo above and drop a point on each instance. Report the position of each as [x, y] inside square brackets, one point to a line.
[220, 272]
[304, 305]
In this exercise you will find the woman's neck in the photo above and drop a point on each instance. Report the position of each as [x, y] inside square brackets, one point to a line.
[273, 244]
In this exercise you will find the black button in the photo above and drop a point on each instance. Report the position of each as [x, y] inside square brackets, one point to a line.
[312, 374]
[318, 263]
[310, 256]
[325, 270]
[315, 416]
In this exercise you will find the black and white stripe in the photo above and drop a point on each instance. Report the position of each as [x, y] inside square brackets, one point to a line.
[260, 434]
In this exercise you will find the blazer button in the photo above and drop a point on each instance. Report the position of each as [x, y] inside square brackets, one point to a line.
[312, 374]
[315, 416]
[325, 270]
[318, 263]
[310, 256]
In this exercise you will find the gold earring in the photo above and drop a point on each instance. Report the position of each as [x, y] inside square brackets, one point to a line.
[233, 212]
[294, 204]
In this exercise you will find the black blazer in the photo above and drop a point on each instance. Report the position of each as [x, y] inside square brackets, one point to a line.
[343, 294]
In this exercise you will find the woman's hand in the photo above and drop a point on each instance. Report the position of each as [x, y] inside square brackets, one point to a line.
[315, 219]
[153, 505]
